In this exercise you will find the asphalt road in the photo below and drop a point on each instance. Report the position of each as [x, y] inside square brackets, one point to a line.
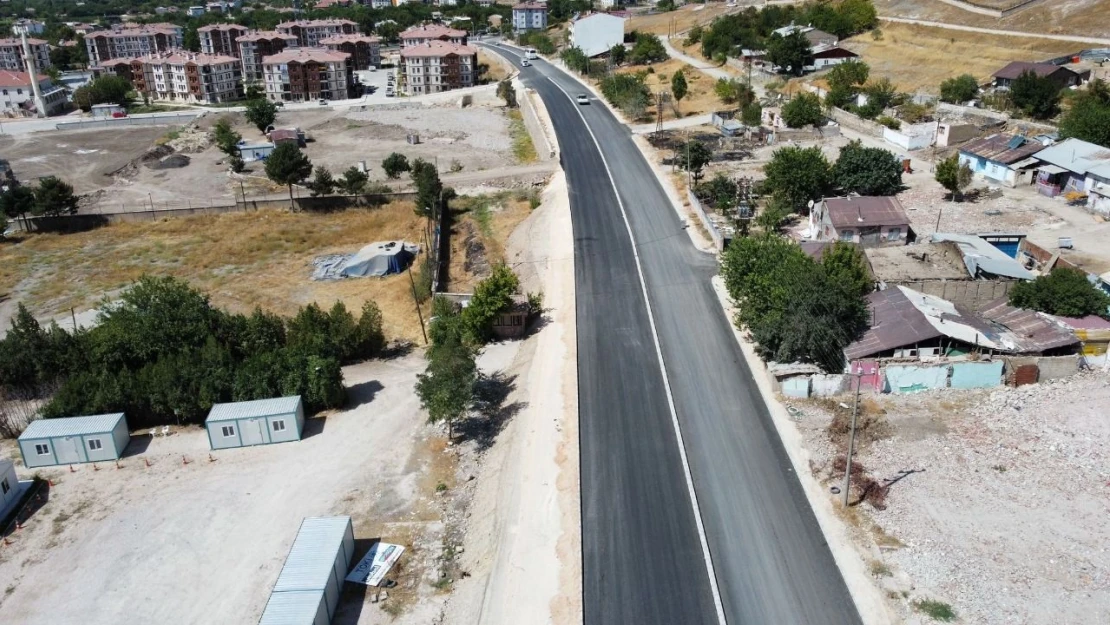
[642, 558]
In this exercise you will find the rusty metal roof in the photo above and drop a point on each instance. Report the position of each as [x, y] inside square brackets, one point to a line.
[857, 212]
[895, 322]
[1032, 331]
[1017, 68]
[997, 148]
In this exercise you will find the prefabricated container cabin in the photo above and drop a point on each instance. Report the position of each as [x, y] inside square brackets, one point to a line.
[73, 440]
[308, 588]
[259, 422]
[9, 485]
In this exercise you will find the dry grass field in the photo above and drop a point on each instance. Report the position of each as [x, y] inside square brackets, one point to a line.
[699, 99]
[680, 20]
[1058, 17]
[920, 57]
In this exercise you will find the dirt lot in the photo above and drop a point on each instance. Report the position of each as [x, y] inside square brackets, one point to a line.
[1004, 514]
[919, 57]
[699, 99]
[1059, 17]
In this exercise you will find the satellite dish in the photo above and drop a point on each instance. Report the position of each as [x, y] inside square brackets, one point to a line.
[810, 204]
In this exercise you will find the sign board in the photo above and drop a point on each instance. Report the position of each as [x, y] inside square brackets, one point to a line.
[375, 564]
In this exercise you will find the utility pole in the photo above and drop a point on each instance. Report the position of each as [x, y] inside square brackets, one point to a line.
[851, 440]
[940, 211]
[416, 302]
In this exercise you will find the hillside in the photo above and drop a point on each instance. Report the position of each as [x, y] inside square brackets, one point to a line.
[1064, 17]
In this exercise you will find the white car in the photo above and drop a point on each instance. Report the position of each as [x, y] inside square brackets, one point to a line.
[525, 63]
[582, 99]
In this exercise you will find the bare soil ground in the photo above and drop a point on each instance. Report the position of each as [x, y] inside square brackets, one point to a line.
[918, 58]
[1003, 514]
[482, 224]
[680, 20]
[1058, 17]
[700, 97]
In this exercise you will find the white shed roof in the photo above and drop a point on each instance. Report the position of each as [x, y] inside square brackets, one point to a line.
[252, 409]
[71, 426]
[296, 607]
[312, 556]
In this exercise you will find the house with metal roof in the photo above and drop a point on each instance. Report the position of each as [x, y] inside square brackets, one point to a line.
[868, 221]
[1079, 166]
[307, 589]
[1003, 158]
[259, 422]
[1062, 76]
[74, 440]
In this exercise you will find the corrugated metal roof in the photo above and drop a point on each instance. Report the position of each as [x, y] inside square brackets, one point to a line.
[857, 212]
[251, 409]
[895, 322]
[1032, 331]
[1075, 155]
[312, 556]
[298, 607]
[1090, 322]
[71, 426]
[997, 148]
[1015, 69]
[981, 256]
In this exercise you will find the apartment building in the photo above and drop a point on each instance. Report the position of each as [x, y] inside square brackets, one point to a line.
[310, 32]
[529, 16]
[256, 46]
[221, 38]
[193, 77]
[306, 74]
[365, 50]
[419, 35]
[17, 95]
[11, 54]
[132, 42]
[31, 27]
[438, 66]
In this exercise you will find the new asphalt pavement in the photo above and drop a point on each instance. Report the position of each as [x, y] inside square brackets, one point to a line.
[643, 559]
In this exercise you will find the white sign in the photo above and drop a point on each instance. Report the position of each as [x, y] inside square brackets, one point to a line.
[375, 564]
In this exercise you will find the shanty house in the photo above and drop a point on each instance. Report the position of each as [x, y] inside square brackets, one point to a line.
[869, 221]
[1007, 159]
[259, 422]
[308, 588]
[1093, 333]
[938, 269]
[1062, 76]
[251, 152]
[73, 440]
[1079, 166]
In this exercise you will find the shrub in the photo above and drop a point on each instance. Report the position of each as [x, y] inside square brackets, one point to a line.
[1065, 292]
[960, 89]
[626, 92]
[889, 122]
[803, 109]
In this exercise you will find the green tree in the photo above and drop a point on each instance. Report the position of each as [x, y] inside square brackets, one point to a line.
[618, 54]
[17, 201]
[575, 59]
[54, 197]
[732, 91]
[507, 92]
[953, 176]
[287, 165]
[880, 93]
[626, 92]
[227, 140]
[845, 265]
[261, 113]
[803, 109]
[323, 183]
[849, 74]
[796, 176]
[694, 157]
[191, 39]
[648, 49]
[678, 86]
[108, 88]
[959, 89]
[752, 115]
[867, 171]
[1088, 117]
[371, 337]
[860, 15]
[492, 296]
[791, 54]
[1036, 96]
[353, 181]
[394, 165]
[446, 388]
[1066, 292]
[428, 186]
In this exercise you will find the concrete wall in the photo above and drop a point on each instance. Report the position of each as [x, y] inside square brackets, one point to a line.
[718, 240]
[857, 123]
[952, 134]
[972, 294]
[913, 378]
[945, 107]
[797, 386]
[827, 385]
[912, 137]
[1048, 367]
[169, 119]
[532, 122]
[976, 374]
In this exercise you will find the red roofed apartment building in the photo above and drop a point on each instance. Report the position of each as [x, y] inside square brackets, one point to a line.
[192, 77]
[256, 46]
[310, 32]
[365, 50]
[11, 54]
[17, 95]
[418, 35]
[438, 66]
[132, 42]
[221, 38]
[305, 74]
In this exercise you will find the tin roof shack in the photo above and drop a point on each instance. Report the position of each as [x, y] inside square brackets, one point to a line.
[73, 440]
[868, 221]
[983, 259]
[1093, 334]
[259, 422]
[1003, 158]
[1078, 167]
[295, 136]
[937, 269]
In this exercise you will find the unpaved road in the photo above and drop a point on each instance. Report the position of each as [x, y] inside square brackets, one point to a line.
[995, 31]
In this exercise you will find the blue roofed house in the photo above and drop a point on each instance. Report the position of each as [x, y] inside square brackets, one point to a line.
[1079, 166]
[1003, 158]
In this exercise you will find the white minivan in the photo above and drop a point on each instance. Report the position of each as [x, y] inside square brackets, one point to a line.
[530, 54]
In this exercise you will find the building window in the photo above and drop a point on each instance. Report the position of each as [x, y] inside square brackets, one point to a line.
[4, 486]
[893, 234]
[95, 444]
[42, 449]
[848, 235]
[228, 431]
[279, 426]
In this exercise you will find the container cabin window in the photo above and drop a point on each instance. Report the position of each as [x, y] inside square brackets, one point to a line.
[4, 486]
[42, 449]
[228, 431]
[95, 444]
[279, 426]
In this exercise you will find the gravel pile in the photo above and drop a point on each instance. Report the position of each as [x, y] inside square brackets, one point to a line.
[1009, 521]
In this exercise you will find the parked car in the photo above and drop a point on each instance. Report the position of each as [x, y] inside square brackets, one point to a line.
[582, 99]
[322, 102]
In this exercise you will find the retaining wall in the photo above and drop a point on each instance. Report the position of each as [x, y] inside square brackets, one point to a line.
[718, 240]
[169, 119]
[857, 123]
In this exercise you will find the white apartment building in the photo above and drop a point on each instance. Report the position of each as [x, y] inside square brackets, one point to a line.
[529, 16]
[438, 66]
[18, 96]
[187, 77]
[310, 32]
[220, 38]
[132, 42]
[256, 46]
[306, 74]
[31, 27]
[419, 35]
[11, 54]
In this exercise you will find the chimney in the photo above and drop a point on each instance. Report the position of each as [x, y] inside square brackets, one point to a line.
[33, 74]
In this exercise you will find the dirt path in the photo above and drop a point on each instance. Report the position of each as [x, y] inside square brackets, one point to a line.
[995, 31]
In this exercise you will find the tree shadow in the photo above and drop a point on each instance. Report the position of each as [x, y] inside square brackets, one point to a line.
[397, 349]
[363, 393]
[491, 413]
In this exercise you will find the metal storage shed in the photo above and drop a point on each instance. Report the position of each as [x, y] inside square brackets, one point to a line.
[73, 440]
[313, 574]
[259, 422]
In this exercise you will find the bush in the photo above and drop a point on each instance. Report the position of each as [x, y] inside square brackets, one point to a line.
[627, 92]
[647, 49]
[1036, 96]
[752, 114]
[394, 165]
[1065, 292]
[889, 122]
[803, 109]
[960, 89]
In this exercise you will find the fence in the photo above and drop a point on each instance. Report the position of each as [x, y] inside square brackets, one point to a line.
[857, 123]
[169, 119]
[718, 240]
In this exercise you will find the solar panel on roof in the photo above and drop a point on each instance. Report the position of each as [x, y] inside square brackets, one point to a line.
[1016, 142]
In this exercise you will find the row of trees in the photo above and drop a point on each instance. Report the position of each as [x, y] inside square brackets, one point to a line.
[163, 354]
[51, 197]
[106, 89]
[796, 176]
